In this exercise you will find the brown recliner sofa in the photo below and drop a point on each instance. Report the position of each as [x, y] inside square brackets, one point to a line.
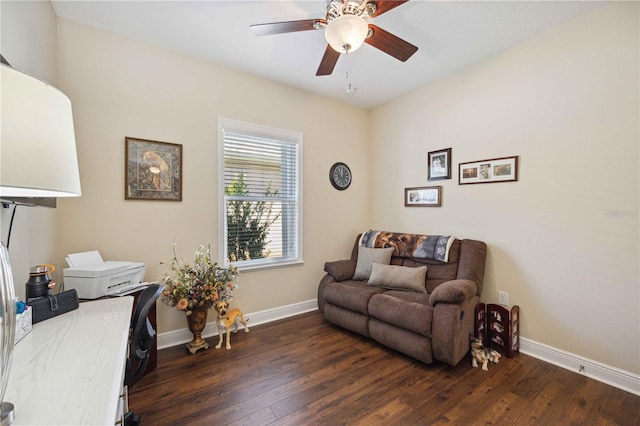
[427, 323]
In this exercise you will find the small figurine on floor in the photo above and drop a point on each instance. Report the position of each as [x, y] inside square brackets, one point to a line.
[226, 319]
[481, 354]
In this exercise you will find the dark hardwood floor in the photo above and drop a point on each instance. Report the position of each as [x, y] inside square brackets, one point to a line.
[303, 371]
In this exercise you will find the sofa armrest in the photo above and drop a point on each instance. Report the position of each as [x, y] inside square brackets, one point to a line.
[341, 270]
[454, 291]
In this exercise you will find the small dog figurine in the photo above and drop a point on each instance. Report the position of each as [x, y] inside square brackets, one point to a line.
[227, 319]
[481, 354]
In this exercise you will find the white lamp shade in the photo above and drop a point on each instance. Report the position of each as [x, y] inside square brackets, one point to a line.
[346, 33]
[37, 141]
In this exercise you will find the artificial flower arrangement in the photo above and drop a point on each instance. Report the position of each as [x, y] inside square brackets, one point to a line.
[198, 286]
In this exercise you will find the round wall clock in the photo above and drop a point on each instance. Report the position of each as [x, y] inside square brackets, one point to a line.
[340, 176]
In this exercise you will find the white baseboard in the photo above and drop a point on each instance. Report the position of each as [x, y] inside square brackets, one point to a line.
[179, 337]
[613, 376]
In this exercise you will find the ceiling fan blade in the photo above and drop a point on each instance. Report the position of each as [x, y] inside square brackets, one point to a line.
[383, 6]
[390, 44]
[328, 62]
[285, 27]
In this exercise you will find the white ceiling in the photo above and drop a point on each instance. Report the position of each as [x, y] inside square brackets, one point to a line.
[449, 34]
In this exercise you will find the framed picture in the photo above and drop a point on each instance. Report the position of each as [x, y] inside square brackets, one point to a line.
[439, 164]
[153, 170]
[426, 196]
[503, 169]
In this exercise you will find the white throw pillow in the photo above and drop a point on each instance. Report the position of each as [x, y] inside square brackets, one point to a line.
[366, 257]
[397, 277]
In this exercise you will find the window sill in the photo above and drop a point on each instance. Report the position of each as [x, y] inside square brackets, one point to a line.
[259, 267]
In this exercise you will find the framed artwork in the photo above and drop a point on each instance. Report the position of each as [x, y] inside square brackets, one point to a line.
[426, 196]
[503, 169]
[153, 170]
[439, 164]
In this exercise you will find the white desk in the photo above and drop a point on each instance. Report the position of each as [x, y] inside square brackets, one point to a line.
[69, 369]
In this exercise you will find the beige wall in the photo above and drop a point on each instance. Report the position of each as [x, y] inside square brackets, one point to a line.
[28, 43]
[124, 88]
[566, 103]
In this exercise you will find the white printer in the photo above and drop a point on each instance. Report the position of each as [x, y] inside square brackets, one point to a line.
[92, 277]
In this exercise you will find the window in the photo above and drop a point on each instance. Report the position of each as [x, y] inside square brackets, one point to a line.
[260, 180]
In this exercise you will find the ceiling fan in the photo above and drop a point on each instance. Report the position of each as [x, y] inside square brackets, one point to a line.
[346, 28]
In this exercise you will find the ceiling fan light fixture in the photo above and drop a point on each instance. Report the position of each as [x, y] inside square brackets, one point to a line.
[346, 33]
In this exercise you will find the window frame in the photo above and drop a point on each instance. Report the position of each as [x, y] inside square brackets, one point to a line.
[256, 130]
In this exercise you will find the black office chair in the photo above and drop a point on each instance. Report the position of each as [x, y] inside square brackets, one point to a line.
[141, 341]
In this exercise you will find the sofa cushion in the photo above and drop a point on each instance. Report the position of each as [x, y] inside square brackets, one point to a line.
[407, 310]
[366, 257]
[398, 277]
[353, 295]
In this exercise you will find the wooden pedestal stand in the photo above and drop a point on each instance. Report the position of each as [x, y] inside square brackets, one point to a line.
[196, 322]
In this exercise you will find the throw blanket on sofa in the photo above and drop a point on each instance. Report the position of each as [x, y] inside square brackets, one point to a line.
[410, 245]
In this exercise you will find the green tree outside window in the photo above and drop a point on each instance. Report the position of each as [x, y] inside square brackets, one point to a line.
[248, 222]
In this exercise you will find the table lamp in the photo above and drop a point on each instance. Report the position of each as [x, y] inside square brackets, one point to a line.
[37, 159]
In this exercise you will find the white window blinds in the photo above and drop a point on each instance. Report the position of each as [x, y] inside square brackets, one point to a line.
[261, 190]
